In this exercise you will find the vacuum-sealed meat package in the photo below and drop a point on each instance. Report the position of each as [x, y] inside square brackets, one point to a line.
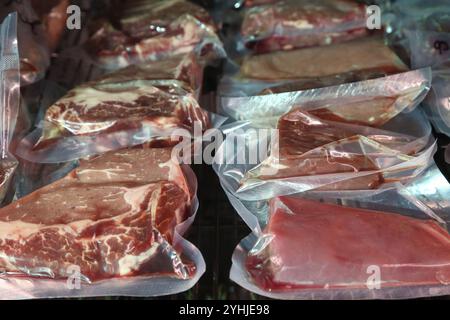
[149, 30]
[386, 96]
[34, 52]
[346, 137]
[310, 68]
[310, 249]
[367, 54]
[430, 48]
[10, 92]
[288, 24]
[117, 216]
[135, 105]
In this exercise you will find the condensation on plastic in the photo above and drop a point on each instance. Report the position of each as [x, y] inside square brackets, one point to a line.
[183, 28]
[9, 98]
[13, 286]
[407, 88]
[407, 200]
[33, 49]
[292, 24]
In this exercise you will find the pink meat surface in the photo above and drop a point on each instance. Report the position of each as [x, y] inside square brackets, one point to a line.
[115, 103]
[310, 144]
[289, 24]
[322, 246]
[112, 216]
[367, 54]
[150, 30]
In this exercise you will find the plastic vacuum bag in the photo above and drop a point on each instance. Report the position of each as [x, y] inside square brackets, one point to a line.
[355, 245]
[138, 104]
[310, 68]
[113, 225]
[289, 24]
[432, 49]
[10, 98]
[33, 48]
[354, 137]
[151, 30]
[394, 93]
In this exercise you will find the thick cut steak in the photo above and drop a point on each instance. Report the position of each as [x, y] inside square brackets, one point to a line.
[156, 107]
[367, 54]
[112, 216]
[151, 30]
[322, 246]
[289, 24]
[337, 139]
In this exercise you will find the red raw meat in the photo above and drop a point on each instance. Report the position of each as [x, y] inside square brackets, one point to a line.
[113, 104]
[289, 24]
[310, 144]
[153, 30]
[112, 216]
[321, 246]
[367, 54]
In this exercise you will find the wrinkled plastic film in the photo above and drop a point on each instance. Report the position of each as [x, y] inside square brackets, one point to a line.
[279, 274]
[10, 97]
[155, 31]
[405, 89]
[361, 157]
[288, 24]
[175, 266]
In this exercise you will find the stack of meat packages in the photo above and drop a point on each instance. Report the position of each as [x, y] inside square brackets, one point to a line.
[113, 217]
[329, 205]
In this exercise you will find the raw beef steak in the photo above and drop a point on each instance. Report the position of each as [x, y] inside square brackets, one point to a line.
[289, 24]
[321, 246]
[112, 216]
[367, 54]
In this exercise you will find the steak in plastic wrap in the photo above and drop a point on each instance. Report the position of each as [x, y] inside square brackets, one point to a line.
[312, 245]
[149, 30]
[112, 105]
[336, 139]
[112, 216]
[367, 54]
[289, 24]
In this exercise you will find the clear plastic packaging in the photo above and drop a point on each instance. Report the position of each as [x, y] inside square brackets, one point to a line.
[367, 54]
[113, 225]
[355, 245]
[289, 24]
[310, 68]
[139, 104]
[33, 47]
[354, 136]
[403, 90]
[151, 30]
[431, 49]
[10, 98]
